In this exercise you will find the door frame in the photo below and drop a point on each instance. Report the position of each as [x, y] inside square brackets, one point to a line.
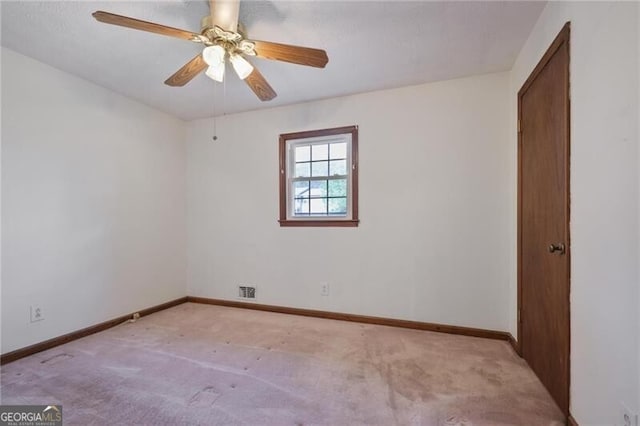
[562, 38]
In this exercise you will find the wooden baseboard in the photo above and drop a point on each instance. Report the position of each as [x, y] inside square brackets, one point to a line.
[57, 341]
[514, 344]
[451, 329]
[571, 421]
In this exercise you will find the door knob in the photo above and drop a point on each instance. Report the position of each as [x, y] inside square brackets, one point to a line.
[559, 247]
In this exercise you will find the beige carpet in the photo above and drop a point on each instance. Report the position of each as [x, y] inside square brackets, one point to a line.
[209, 365]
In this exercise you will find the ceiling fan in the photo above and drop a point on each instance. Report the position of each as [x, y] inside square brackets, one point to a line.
[222, 39]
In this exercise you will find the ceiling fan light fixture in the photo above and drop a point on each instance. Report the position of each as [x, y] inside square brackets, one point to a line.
[214, 55]
[241, 65]
[216, 72]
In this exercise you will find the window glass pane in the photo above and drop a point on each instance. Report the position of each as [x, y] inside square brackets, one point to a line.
[338, 167]
[301, 189]
[301, 207]
[319, 206]
[338, 188]
[303, 153]
[321, 168]
[338, 150]
[319, 152]
[338, 206]
[303, 170]
[318, 188]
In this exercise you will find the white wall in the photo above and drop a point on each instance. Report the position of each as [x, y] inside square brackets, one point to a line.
[604, 199]
[93, 203]
[435, 195]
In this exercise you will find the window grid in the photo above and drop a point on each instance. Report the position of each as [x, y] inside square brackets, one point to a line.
[303, 206]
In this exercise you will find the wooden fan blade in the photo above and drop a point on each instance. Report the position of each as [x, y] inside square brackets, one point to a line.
[294, 54]
[224, 13]
[137, 24]
[187, 72]
[259, 85]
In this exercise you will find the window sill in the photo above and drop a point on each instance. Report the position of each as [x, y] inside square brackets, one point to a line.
[319, 223]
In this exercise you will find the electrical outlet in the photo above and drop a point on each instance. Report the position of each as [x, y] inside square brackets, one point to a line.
[324, 289]
[627, 417]
[36, 313]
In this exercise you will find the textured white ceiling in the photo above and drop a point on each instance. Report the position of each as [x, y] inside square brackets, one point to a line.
[371, 46]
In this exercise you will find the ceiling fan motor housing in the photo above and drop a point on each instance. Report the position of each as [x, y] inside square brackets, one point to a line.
[232, 41]
[206, 24]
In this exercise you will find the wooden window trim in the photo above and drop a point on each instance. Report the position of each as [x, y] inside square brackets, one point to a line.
[319, 221]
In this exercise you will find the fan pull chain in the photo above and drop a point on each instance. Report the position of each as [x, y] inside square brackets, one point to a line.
[224, 108]
[215, 130]
[224, 97]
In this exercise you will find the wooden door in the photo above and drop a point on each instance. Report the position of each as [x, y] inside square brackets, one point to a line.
[543, 220]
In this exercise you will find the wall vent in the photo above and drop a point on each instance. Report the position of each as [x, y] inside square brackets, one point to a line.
[245, 292]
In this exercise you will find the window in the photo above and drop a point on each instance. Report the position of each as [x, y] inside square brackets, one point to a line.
[319, 178]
